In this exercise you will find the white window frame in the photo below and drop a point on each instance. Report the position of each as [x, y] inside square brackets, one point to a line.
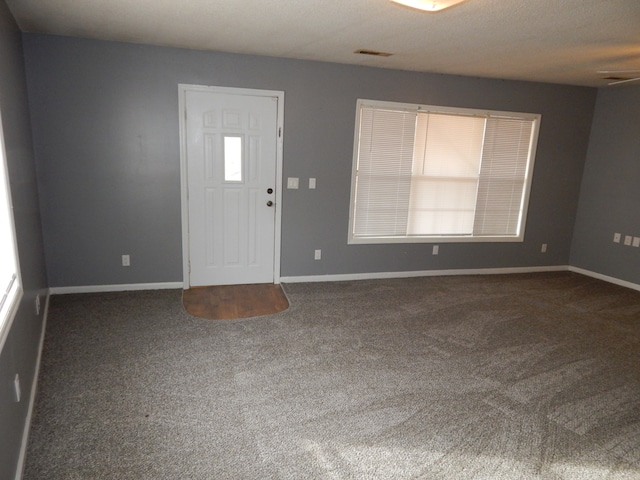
[10, 281]
[415, 108]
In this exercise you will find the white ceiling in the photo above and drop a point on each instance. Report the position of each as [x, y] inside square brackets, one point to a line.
[557, 41]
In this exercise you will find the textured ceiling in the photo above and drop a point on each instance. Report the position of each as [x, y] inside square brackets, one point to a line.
[557, 41]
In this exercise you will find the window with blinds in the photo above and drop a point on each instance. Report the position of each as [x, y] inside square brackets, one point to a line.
[10, 289]
[424, 173]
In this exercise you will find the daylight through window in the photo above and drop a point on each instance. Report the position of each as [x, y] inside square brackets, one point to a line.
[440, 174]
[10, 290]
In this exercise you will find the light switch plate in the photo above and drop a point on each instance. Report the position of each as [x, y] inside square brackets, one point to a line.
[636, 242]
[293, 182]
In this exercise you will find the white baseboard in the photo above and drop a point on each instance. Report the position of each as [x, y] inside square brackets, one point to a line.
[32, 397]
[116, 288]
[606, 278]
[353, 276]
[421, 273]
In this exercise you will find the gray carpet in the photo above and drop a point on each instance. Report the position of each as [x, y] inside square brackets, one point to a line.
[497, 377]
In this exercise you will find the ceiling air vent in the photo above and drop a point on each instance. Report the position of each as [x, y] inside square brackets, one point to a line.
[373, 53]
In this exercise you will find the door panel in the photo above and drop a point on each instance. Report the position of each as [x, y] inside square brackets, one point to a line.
[231, 152]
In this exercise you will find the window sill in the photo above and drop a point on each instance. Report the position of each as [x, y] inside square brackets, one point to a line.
[432, 239]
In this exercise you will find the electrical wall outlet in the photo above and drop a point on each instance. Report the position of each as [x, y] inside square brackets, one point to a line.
[636, 242]
[543, 248]
[616, 237]
[627, 240]
[312, 183]
[293, 182]
[126, 260]
[17, 394]
[317, 255]
[435, 250]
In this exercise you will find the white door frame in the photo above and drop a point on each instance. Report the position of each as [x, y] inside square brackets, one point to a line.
[184, 184]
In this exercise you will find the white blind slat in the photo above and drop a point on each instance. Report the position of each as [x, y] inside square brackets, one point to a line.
[7, 291]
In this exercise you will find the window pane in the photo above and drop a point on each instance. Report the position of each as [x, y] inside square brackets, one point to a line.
[442, 207]
[10, 289]
[232, 159]
[449, 145]
[445, 175]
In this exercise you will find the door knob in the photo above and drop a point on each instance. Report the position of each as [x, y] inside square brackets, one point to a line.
[269, 203]
[269, 190]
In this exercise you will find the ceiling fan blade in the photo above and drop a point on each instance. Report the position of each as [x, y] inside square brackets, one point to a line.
[624, 81]
[618, 71]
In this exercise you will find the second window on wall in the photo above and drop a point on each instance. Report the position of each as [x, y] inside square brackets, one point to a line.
[424, 173]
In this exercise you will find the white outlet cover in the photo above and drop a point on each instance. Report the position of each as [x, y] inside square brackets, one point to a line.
[293, 182]
[628, 239]
[435, 250]
[636, 242]
[16, 388]
[312, 183]
[616, 237]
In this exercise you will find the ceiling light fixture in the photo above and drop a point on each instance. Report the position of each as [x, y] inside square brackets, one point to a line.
[429, 5]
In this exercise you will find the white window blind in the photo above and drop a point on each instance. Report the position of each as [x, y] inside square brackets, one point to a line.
[502, 178]
[385, 160]
[424, 173]
[10, 290]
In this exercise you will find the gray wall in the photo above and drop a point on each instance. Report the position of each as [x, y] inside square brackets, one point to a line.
[105, 124]
[610, 194]
[20, 351]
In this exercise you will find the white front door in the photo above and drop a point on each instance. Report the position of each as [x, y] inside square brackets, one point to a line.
[230, 145]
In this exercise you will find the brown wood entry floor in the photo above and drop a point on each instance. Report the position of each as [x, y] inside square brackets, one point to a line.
[228, 302]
